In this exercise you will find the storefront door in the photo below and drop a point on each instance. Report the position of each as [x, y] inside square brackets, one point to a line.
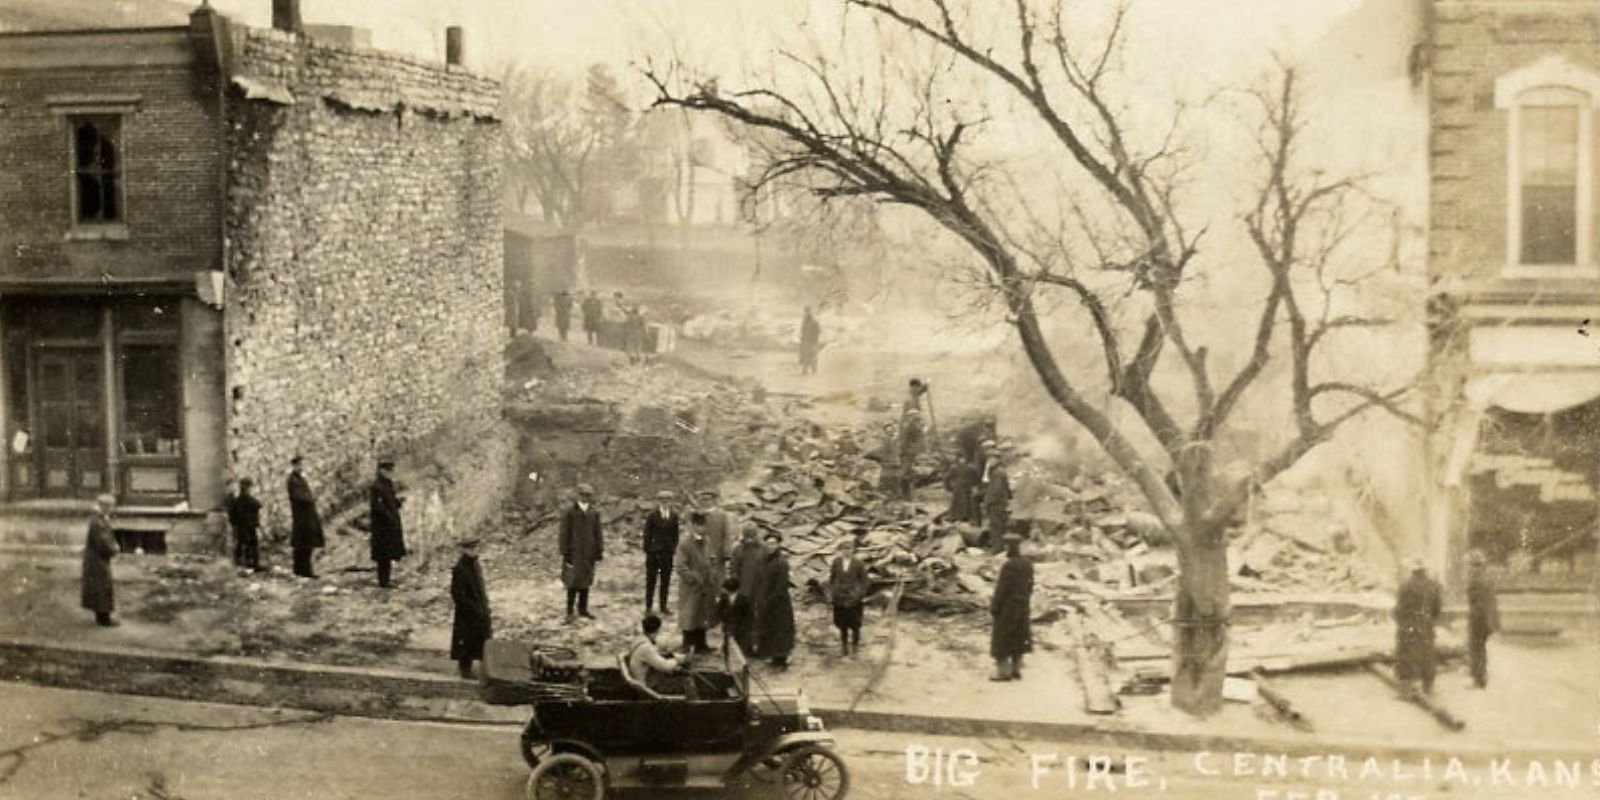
[69, 391]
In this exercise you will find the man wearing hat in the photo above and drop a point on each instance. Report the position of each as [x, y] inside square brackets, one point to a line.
[244, 516]
[721, 530]
[1483, 616]
[697, 586]
[1416, 612]
[582, 547]
[472, 625]
[388, 533]
[997, 499]
[99, 548]
[661, 529]
[774, 609]
[305, 533]
[1012, 634]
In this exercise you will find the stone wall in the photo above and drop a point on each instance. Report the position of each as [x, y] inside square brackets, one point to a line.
[364, 267]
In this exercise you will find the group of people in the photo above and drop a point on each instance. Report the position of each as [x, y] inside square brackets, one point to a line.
[634, 329]
[1417, 608]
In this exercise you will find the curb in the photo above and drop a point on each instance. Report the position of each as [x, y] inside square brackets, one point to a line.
[402, 695]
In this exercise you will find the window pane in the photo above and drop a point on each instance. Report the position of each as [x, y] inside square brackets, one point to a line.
[86, 141]
[88, 197]
[1549, 145]
[150, 386]
[1549, 173]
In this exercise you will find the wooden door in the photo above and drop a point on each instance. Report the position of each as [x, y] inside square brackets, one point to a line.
[69, 420]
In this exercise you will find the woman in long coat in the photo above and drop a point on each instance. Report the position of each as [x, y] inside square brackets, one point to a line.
[1012, 634]
[472, 625]
[98, 550]
[697, 587]
[774, 609]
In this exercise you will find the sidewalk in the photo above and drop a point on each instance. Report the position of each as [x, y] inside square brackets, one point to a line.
[1545, 696]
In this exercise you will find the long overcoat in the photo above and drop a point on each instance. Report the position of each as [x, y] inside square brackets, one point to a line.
[1416, 611]
[962, 481]
[306, 530]
[1012, 634]
[582, 546]
[388, 533]
[472, 626]
[98, 550]
[697, 593]
[774, 608]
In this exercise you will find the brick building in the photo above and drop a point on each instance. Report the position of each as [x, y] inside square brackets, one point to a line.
[224, 245]
[1514, 94]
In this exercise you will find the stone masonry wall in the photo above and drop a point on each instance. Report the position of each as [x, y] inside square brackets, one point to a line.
[365, 280]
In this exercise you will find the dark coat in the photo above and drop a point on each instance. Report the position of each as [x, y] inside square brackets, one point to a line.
[962, 481]
[593, 312]
[98, 550]
[388, 534]
[563, 310]
[244, 513]
[582, 546]
[848, 587]
[661, 533]
[738, 621]
[774, 609]
[697, 591]
[472, 626]
[306, 532]
[1012, 634]
[1416, 612]
[1483, 607]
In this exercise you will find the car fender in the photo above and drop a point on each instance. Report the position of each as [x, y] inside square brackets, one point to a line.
[787, 741]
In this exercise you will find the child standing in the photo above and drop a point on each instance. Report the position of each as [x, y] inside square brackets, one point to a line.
[847, 587]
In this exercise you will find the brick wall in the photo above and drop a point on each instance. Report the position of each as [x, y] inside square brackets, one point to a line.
[365, 284]
[170, 162]
[1474, 43]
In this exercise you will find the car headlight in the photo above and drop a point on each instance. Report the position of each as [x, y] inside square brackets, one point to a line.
[813, 722]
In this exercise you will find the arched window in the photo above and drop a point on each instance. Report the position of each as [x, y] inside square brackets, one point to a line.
[1550, 151]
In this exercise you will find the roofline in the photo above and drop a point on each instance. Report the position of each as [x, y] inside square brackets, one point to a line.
[94, 31]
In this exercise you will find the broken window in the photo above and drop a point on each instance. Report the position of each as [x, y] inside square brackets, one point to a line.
[96, 169]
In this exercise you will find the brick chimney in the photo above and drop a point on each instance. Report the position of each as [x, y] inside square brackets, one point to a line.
[453, 45]
[286, 16]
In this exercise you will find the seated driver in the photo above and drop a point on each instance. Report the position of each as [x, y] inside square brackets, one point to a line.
[662, 674]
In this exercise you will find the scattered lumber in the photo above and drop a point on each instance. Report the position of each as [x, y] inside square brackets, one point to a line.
[1417, 698]
[1090, 657]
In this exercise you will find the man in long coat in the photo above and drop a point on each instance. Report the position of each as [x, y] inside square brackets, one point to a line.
[593, 315]
[1483, 617]
[722, 531]
[98, 550]
[661, 533]
[563, 313]
[962, 481]
[1012, 634]
[305, 534]
[774, 608]
[582, 547]
[472, 625]
[744, 565]
[388, 532]
[810, 342]
[997, 501]
[1416, 612]
[697, 591]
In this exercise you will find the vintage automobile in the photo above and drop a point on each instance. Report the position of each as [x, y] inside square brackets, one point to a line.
[597, 728]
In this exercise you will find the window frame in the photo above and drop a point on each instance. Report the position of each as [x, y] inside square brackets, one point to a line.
[70, 107]
[1530, 86]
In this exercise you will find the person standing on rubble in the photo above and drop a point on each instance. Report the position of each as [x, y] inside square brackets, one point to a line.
[305, 532]
[100, 546]
[697, 590]
[745, 566]
[593, 312]
[563, 302]
[1416, 612]
[773, 606]
[912, 438]
[997, 499]
[471, 625]
[244, 516]
[661, 530]
[582, 547]
[847, 589]
[388, 530]
[1483, 617]
[810, 342]
[1012, 634]
[962, 482]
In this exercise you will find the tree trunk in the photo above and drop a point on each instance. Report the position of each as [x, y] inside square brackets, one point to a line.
[1200, 620]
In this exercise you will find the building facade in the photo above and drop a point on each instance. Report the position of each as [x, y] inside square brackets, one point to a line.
[1515, 287]
[222, 246]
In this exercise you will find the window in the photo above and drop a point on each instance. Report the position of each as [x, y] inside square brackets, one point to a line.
[96, 143]
[150, 390]
[1550, 168]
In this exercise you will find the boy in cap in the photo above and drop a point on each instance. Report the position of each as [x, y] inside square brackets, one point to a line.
[847, 589]
[472, 625]
[661, 531]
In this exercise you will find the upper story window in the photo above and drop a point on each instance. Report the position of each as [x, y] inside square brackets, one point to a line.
[96, 154]
[1551, 172]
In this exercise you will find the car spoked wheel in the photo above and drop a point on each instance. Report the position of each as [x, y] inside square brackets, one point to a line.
[566, 776]
[814, 773]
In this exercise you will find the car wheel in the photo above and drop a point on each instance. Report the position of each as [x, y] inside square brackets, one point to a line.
[814, 773]
[566, 776]
[533, 752]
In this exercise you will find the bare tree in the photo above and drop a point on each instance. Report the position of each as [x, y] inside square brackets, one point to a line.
[1119, 245]
[549, 145]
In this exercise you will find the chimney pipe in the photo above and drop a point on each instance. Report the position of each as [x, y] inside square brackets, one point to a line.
[286, 16]
[453, 45]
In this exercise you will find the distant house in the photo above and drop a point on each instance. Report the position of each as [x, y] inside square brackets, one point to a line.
[223, 246]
